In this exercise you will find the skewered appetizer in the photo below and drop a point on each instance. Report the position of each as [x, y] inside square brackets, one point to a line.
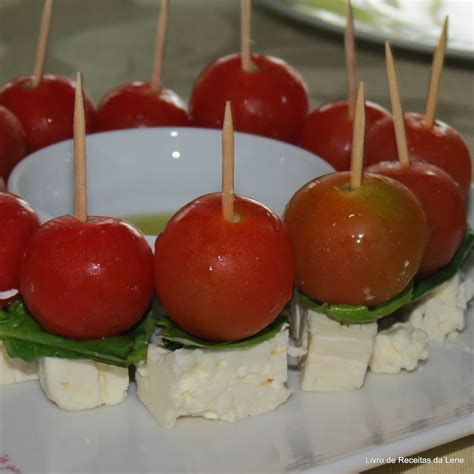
[320, 252]
[327, 131]
[44, 104]
[269, 97]
[429, 140]
[87, 282]
[223, 273]
[144, 104]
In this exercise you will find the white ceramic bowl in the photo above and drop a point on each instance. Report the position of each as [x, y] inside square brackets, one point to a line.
[158, 170]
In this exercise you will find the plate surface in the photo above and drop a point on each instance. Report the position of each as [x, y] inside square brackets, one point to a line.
[409, 24]
[391, 415]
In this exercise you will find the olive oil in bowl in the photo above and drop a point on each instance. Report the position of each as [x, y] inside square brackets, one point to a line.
[149, 224]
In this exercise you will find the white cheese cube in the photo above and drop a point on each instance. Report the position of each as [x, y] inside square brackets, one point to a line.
[82, 384]
[338, 355]
[16, 370]
[441, 312]
[399, 347]
[215, 384]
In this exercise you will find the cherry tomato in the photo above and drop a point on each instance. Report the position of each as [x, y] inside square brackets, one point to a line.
[359, 246]
[134, 105]
[46, 112]
[87, 280]
[327, 132]
[12, 143]
[18, 222]
[220, 280]
[440, 145]
[272, 101]
[443, 204]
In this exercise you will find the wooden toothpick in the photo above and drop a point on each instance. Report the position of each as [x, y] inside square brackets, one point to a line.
[245, 21]
[436, 70]
[155, 83]
[80, 178]
[349, 49]
[397, 110]
[42, 42]
[228, 165]
[358, 137]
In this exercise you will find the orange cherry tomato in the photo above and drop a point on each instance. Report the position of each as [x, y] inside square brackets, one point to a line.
[360, 246]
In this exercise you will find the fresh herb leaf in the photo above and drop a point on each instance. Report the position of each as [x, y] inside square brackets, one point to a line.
[359, 314]
[23, 338]
[425, 286]
[176, 337]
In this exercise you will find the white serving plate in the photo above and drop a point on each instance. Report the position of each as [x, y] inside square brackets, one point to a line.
[392, 415]
[412, 25]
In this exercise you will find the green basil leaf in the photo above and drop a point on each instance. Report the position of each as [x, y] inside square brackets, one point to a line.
[176, 337]
[359, 314]
[426, 285]
[23, 338]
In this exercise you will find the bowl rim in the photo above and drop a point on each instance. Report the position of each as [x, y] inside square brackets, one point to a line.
[18, 171]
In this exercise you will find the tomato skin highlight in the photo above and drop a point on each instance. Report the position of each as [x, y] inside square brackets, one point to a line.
[327, 132]
[87, 280]
[13, 145]
[18, 222]
[272, 101]
[440, 145]
[357, 247]
[46, 111]
[219, 280]
[135, 105]
[443, 204]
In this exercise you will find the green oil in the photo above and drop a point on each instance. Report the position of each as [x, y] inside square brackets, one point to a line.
[149, 224]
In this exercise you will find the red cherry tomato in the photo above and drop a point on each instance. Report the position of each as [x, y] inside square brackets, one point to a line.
[443, 204]
[18, 222]
[87, 280]
[327, 132]
[272, 101]
[12, 143]
[360, 246]
[440, 145]
[134, 105]
[46, 112]
[220, 280]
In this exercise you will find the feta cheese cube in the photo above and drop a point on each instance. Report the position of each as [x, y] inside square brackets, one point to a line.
[16, 370]
[82, 384]
[215, 384]
[441, 312]
[338, 355]
[399, 347]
